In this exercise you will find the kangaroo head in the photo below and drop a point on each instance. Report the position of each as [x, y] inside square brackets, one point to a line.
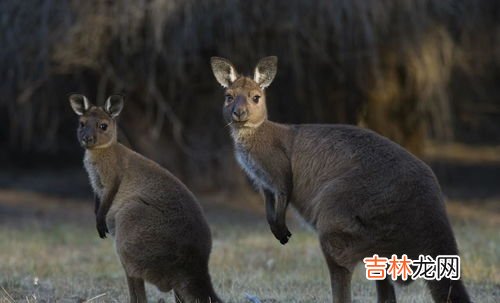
[97, 124]
[245, 101]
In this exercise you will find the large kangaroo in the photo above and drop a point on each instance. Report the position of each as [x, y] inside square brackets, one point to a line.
[160, 233]
[363, 194]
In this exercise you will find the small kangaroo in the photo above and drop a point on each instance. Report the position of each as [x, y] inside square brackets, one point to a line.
[362, 193]
[160, 233]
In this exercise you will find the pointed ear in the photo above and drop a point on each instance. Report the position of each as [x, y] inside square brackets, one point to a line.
[265, 71]
[114, 105]
[224, 71]
[79, 103]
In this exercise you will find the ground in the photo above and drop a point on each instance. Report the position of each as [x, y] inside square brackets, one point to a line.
[50, 252]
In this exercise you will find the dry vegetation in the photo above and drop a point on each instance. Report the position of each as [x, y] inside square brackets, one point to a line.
[406, 68]
[396, 65]
[51, 252]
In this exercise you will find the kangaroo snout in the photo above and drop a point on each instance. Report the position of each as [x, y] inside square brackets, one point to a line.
[87, 140]
[178, 241]
[240, 114]
[330, 173]
[240, 110]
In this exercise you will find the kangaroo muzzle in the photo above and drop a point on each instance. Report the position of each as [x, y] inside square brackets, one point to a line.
[87, 140]
[240, 111]
[240, 115]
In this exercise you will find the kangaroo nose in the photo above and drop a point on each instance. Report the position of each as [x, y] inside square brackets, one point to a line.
[88, 139]
[239, 114]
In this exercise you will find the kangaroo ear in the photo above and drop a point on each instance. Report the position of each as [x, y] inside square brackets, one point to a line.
[265, 71]
[114, 105]
[79, 103]
[224, 71]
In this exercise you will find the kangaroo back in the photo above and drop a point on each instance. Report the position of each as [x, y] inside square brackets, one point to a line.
[363, 194]
[160, 233]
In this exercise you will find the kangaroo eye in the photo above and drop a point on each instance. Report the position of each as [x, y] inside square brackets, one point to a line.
[103, 126]
[229, 98]
[256, 99]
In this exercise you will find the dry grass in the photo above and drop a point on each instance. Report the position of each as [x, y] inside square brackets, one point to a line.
[60, 258]
[461, 153]
[391, 63]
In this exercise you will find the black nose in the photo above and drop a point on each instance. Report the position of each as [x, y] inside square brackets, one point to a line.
[239, 114]
[88, 139]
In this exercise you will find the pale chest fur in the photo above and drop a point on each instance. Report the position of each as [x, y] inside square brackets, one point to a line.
[94, 178]
[254, 169]
[95, 172]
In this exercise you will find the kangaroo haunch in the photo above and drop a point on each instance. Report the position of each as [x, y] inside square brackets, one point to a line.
[362, 193]
[160, 233]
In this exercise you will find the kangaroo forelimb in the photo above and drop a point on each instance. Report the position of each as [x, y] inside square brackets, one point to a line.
[270, 209]
[107, 198]
[276, 206]
[96, 204]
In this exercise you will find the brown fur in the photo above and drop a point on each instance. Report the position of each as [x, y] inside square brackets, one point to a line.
[363, 193]
[160, 233]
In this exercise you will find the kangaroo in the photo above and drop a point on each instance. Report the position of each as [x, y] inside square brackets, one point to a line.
[362, 193]
[159, 230]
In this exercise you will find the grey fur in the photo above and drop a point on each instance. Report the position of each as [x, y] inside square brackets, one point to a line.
[362, 193]
[160, 233]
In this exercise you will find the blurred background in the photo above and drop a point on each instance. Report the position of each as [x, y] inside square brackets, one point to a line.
[425, 73]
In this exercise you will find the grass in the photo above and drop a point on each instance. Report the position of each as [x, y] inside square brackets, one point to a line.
[46, 257]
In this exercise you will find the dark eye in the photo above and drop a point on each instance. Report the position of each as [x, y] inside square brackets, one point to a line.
[103, 126]
[82, 124]
[256, 99]
[229, 98]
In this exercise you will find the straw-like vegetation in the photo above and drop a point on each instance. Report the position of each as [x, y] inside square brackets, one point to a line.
[406, 68]
[56, 256]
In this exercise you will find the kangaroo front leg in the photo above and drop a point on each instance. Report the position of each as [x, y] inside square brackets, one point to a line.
[270, 209]
[282, 229]
[96, 203]
[276, 215]
[106, 200]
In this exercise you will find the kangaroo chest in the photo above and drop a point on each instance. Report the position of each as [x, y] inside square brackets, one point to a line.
[95, 173]
[255, 170]
[94, 178]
